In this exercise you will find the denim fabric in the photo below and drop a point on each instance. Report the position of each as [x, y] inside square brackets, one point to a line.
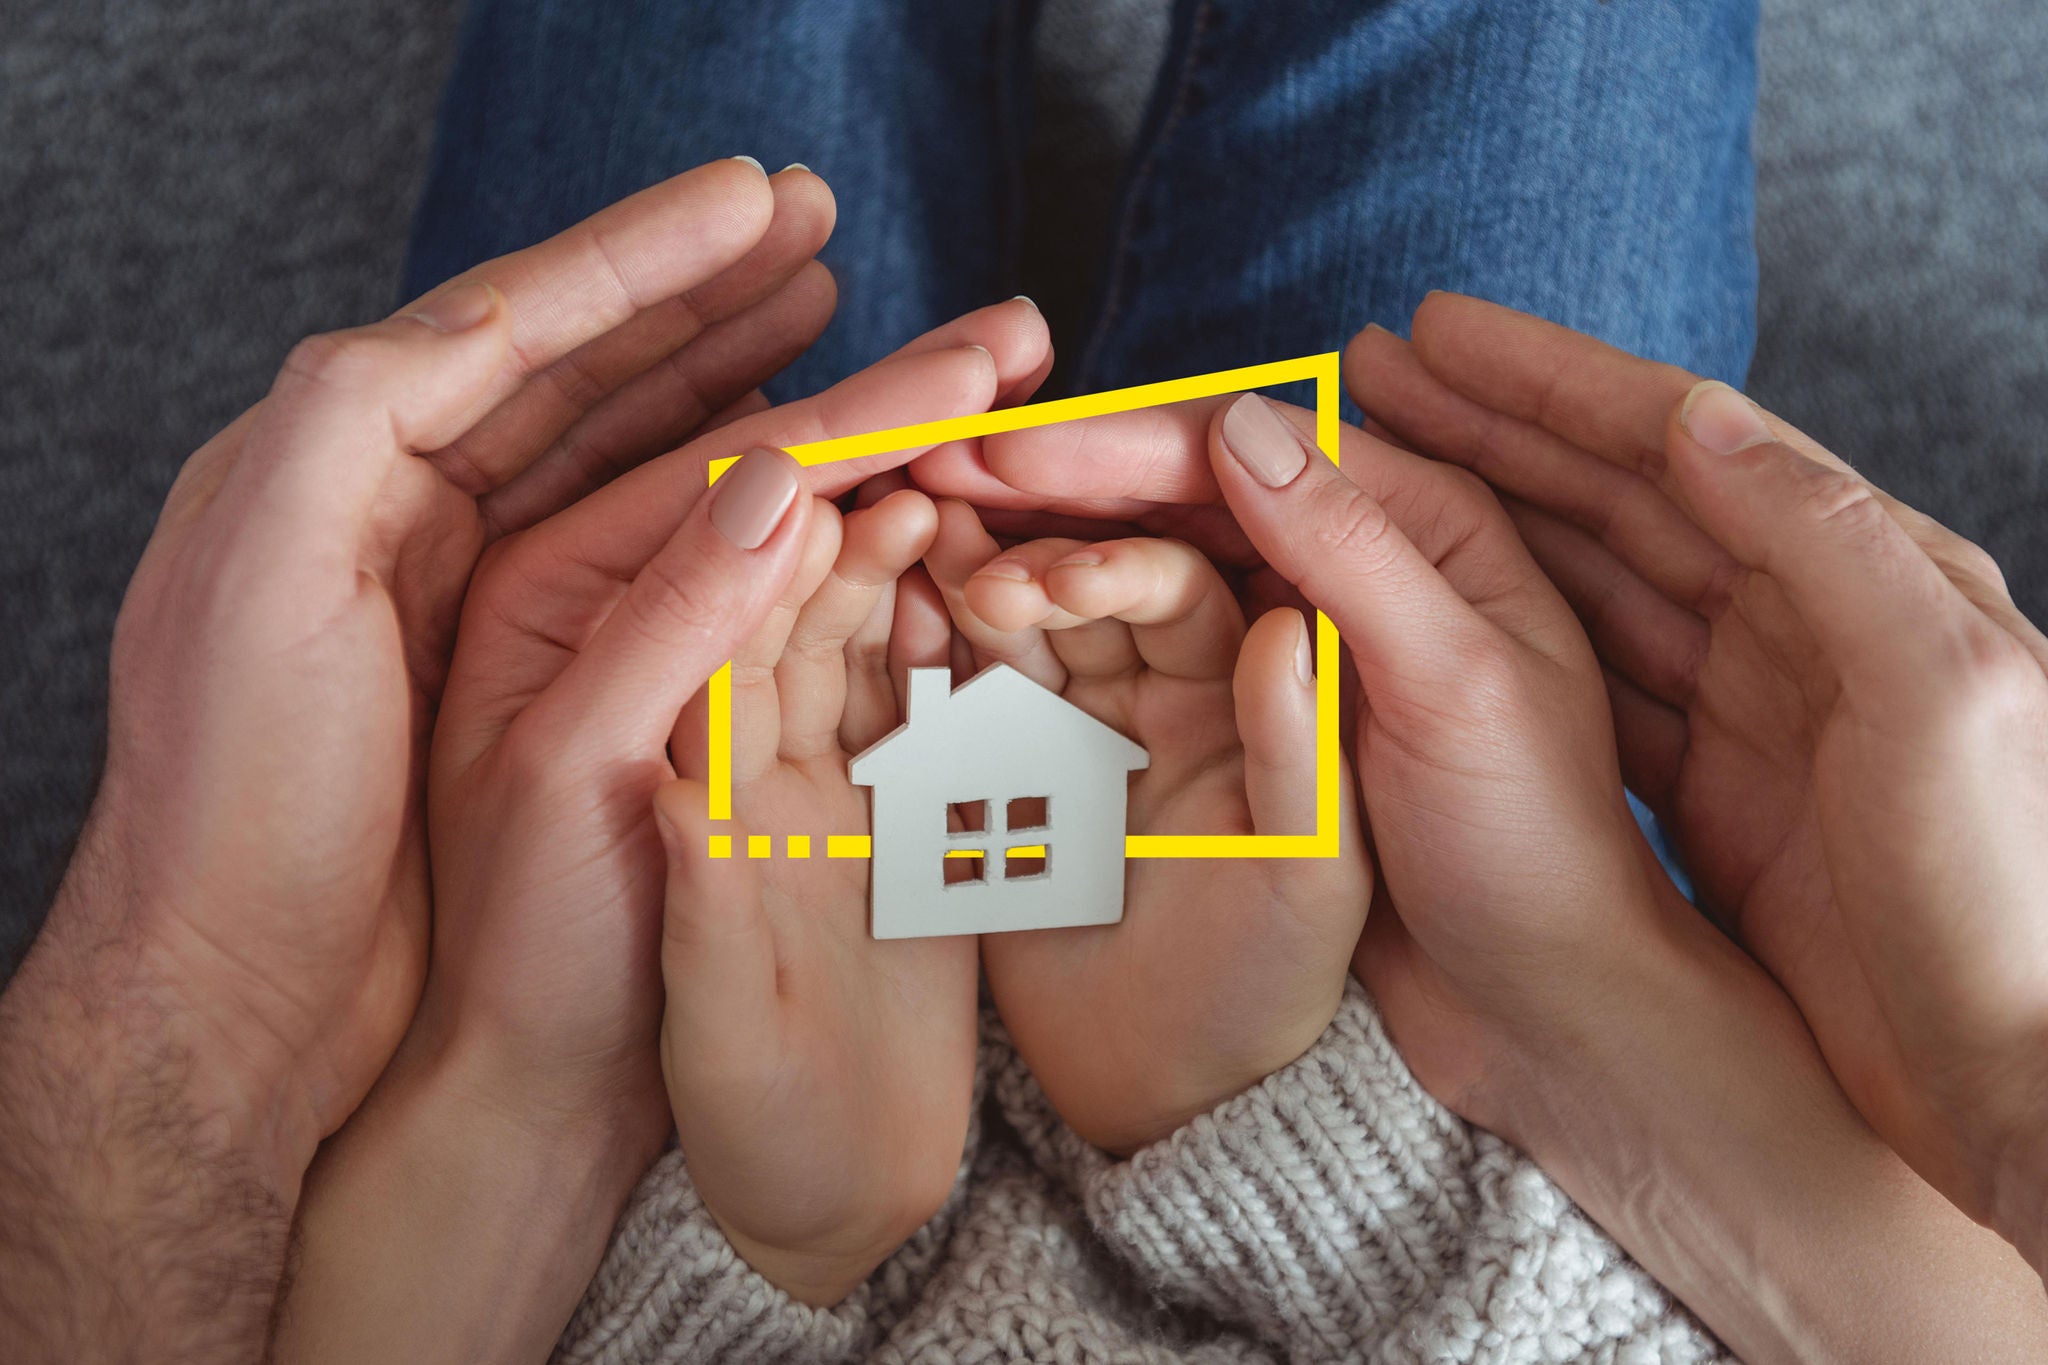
[1305, 168]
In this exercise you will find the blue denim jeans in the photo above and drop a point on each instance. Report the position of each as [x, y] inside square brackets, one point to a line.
[1305, 168]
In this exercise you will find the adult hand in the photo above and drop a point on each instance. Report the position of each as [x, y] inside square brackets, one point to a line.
[1829, 698]
[583, 638]
[240, 938]
[1538, 971]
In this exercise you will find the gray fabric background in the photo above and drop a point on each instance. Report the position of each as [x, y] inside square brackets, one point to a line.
[186, 186]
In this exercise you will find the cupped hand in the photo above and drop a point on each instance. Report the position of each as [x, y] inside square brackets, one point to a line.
[257, 852]
[1829, 698]
[549, 871]
[820, 1077]
[1221, 971]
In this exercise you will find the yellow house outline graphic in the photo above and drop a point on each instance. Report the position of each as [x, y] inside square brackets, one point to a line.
[1322, 369]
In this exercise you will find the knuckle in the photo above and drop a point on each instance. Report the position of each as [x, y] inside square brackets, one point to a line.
[1353, 529]
[1997, 685]
[1842, 505]
[348, 361]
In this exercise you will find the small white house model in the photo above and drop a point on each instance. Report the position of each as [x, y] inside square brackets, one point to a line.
[1044, 784]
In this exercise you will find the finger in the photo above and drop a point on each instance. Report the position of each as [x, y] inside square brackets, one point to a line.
[345, 409]
[1636, 630]
[693, 605]
[880, 542]
[579, 285]
[1009, 593]
[960, 547]
[1184, 620]
[680, 394]
[1275, 693]
[1408, 628]
[920, 636]
[1597, 398]
[618, 528]
[1627, 511]
[1116, 466]
[758, 705]
[1883, 613]
[746, 405]
[717, 947]
[1651, 738]
[675, 303]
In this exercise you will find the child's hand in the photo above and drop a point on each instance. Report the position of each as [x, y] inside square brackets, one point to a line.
[1221, 971]
[821, 1079]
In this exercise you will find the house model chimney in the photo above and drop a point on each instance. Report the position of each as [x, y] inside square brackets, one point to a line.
[929, 688]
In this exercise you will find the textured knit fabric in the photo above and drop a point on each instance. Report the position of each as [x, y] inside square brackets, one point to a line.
[1332, 1212]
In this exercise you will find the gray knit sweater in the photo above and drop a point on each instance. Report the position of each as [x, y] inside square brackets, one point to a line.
[1332, 1212]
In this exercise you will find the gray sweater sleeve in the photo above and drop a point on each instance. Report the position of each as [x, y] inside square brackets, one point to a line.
[672, 1291]
[1335, 1210]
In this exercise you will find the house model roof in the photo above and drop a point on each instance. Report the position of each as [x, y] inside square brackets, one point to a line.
[997, 711]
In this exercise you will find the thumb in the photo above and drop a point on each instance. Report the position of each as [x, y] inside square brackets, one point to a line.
[348, 405]
[1330, 538]
[690, 608]
[1881, 610]
[717, 952]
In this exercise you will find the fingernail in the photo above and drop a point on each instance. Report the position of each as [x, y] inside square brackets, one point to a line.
[1009, 570]
[751, 162]
[457, 309]
[1025, 298]
[1081, 559]
[752, 497]
[794, 166]
[1304, 656]
[1262, 441]
[1721, 419]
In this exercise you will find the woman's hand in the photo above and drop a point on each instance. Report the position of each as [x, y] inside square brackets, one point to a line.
[1221, 971]
[582, 640]
[1829, 698]
[1538, 971]
[240, 938]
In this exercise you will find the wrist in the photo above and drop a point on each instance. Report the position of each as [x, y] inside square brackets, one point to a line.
[449, 1219]
[109, 972]
[142, 1209]
[820, 1278]
[1689, 1112]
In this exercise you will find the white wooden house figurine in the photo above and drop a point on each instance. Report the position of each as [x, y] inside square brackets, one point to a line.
[1030, 771]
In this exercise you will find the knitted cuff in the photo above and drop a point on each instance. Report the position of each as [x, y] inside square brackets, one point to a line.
[672, 1289]
[1337, 1210]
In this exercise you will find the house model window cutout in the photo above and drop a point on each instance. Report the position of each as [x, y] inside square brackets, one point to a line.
[1041, 787]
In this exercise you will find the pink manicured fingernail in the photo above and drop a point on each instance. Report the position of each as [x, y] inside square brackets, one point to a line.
[1304, 657]
[750, 500]
[457, 309]
[1006, 569]
[1263, 442]
[1721, 419]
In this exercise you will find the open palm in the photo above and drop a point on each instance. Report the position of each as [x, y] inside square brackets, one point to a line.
[1221, 971]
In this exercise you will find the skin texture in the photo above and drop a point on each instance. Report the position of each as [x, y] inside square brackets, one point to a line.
[1827, 696]
[1540, 975]
[583, 641]
[820, 1078]
[240, 939]
[1219, 972]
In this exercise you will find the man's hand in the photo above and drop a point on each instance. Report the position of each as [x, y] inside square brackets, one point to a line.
[1828, 697]
[1220, 972]
[240, 939]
